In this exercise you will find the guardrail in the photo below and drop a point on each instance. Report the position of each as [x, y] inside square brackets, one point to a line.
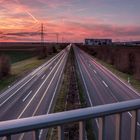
[9, 128]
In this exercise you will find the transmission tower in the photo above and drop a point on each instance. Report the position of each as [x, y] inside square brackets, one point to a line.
[43, 47]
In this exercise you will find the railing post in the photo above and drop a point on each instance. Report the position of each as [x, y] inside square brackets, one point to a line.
[101, 131]
[61, 132]
[8, 137]
[134, 125]
[36, 134]
[82, 130]
[118, 127]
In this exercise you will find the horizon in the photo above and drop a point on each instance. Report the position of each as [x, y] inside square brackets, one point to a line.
[73, 20]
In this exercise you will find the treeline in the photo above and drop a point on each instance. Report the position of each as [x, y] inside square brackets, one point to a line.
[125, 59]
[41, 51]
[44, 51]
[5, 66]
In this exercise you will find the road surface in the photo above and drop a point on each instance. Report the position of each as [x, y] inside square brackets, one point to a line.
[34, 94]
[103, 87]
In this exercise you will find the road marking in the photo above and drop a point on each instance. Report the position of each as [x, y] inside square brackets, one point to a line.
[138, 123]
[103, 68]
[43, 76]
[104, 83]
[85, 84]
[27, 96]
[31, 74]
[41, 131]
[50, 68]
[48, 64]
[95, 71]
[15, 92]
[37, 91]
[130, 114]
[87, 91]
[22, 135]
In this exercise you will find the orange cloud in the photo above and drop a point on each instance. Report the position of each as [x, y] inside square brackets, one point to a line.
[22, 16]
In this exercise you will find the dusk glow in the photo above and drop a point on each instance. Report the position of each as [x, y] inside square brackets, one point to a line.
[74, 20]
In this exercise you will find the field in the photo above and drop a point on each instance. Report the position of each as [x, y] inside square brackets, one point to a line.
[16, 56]
[20, 51]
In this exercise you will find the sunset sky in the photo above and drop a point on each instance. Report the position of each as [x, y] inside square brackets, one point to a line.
[74, 20]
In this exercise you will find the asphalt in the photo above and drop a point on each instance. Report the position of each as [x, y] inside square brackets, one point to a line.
[103, 87]
[35, 94]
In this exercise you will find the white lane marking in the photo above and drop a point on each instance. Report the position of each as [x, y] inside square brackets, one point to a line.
[15, 92]
[47, 90]
[109, 72]
[87, 91]
[138, 123]
[85, 85]
[44, 65]
[37, 91]
[31, 74]
[22, 135]
[130, 114]
[12, 87]
[48, 64]
[95, 71]
[104, 83]
[43, 76]
[41, 131]
[27, 96]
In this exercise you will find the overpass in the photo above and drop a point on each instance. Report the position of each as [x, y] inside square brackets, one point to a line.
[35, 124]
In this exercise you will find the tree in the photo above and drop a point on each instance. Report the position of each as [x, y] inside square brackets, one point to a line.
[5, 65]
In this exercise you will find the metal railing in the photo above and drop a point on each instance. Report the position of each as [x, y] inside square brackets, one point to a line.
[9, 128]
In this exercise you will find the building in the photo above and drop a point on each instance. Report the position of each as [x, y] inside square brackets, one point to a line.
[98, 42]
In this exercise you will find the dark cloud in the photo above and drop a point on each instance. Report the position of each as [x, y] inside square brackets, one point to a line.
[23, 34]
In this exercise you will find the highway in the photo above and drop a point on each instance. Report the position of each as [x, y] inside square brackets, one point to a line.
[35, 94]
[103, 87]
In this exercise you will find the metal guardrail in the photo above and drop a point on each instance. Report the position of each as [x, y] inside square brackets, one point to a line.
[9, 128]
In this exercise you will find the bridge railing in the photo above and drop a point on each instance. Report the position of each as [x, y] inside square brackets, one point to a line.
[12, 127]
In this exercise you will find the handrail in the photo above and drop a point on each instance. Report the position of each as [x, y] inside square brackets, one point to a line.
[56, 119]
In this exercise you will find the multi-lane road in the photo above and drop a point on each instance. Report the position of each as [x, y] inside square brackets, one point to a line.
[103, 87]
[35, 93]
